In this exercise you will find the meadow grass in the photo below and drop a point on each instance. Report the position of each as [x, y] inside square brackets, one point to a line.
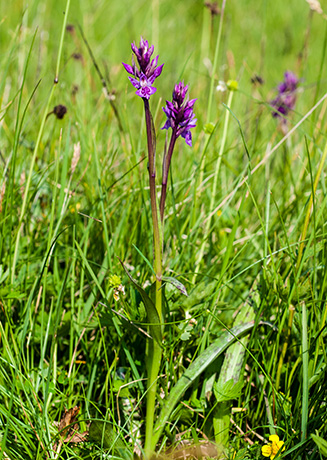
[244, 232]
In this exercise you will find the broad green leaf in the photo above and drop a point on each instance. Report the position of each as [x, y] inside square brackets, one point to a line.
[226, 391]
[195, 370]
[176, 283]
[152, 314]
[199, 295]
[321, 443]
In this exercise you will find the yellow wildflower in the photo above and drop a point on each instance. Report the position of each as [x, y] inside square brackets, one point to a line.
[232, 85]
[272, 449]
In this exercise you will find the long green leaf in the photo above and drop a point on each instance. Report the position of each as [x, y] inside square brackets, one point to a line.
[194, 371]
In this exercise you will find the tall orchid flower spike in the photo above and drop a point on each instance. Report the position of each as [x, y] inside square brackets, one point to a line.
[147, 71]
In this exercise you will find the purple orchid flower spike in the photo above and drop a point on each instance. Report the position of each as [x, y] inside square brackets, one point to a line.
[144, 76]
[180, 116]
[286, 98]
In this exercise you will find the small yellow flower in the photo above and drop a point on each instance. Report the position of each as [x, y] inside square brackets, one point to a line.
[272, 449]
[114, 280]
[232, 85]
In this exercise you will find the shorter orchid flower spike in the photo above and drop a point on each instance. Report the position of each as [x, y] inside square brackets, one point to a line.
[180, 115]
[144, 76]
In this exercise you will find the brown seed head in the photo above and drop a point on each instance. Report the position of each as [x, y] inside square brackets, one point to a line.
[60, 111]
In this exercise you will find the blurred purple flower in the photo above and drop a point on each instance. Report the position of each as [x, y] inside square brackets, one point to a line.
[286, 98]
[180, 115]
[144, 77]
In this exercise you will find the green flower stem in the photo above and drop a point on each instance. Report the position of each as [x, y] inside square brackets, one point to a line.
[155, 350]
[215, 182]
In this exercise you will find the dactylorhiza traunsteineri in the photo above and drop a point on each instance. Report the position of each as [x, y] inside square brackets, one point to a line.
[180, 118]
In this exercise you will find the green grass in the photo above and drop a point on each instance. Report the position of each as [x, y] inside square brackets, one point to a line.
[242, 248]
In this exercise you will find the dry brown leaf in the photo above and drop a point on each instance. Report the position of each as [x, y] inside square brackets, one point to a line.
[68, 418]
[69, 429]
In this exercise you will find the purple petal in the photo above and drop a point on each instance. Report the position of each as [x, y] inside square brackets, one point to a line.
[191, 103]
[188, 113]
[167, 111]
[170, 106]
[135, 82]
[154, 63]
[155, 74]
[128, 68]
[291, 79]
[146, 91]
[179, 112]
[167, 125]
[188, 137]
[136, 52]
[158, 70]
[134, 47]
[282, 87]
[192, 125]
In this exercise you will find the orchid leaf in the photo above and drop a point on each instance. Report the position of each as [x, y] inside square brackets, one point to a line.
[226, 391]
